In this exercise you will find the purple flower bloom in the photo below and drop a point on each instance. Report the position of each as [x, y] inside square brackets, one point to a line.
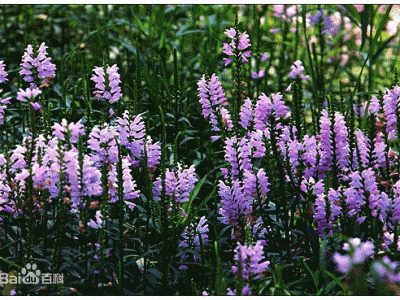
[320, 215]
[3, 73]
[360, 184]
[363, 145]
[254, 185]
[231, 33]
[342, 144]
[90, 183]
[71, 131]
[131, 134]
[250, 258]
[191, 238]
[358, 253]
[264, 56]
[246, 291]
[396, 203]
[231, 155]
[29, 93]
[380, 151]
[260, 74]
[266, 107]
[36, 105]
[178, 184]
[341, 141]
[243, 44]
[102, 142]
[212, 99]
[390, 103]
[3, 108]
[234, 202]
[314, 20]
[113, 94]
[279, 10]
[309, 156]
[129, 185]
[153, 153]
[39, 66]
[99, 221]
[297, 71]
[257, 143]
[246, 114]
[374, 105]
[329, 27]
[244, 154]
[386, 270]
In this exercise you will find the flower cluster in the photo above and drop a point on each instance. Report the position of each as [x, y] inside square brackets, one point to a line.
[386, 270]
[113, 94]
[3, 78]
[58, 166]
[195, 238]
[239, 43]
[249, 257]
[297, 71]
[213, 101]
[3, 73]
[178, 184]
[37, 66]
[358, 253]
[28, 95]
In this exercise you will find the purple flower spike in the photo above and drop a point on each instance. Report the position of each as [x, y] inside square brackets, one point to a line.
[113, 94]
[37, 66]
[314, 20]
[36, 106]
[3, 73]
[212, 99]
[390, 103]
[191, 238]
[358, 253]
[3, 108]
[250, 258]
[297, 71]
[23, 96]
[246, 114]
[234, 202]
[73, 130]
[242, 44]
[342, 144]
[99, 221]
[264, 56]
[386, 270]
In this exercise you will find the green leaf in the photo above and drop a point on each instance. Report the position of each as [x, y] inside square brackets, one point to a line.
[315, 275]
[187, 205]
[339, 283]
[364, 16]
[10, 262]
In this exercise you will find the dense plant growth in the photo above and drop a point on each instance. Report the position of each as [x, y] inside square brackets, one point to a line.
[200, 150]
